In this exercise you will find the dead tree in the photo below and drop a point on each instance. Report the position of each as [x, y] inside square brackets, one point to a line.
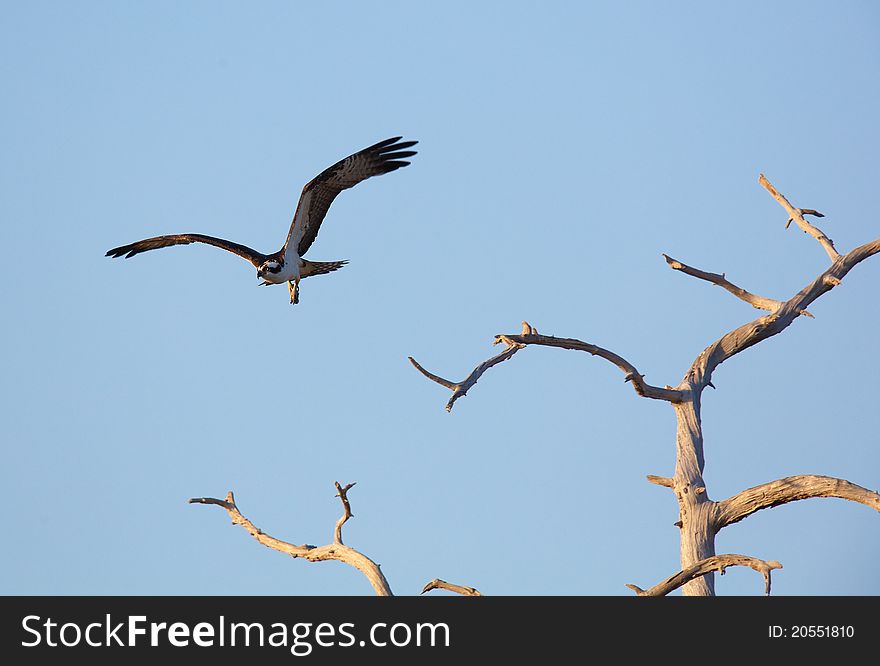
[701, 518]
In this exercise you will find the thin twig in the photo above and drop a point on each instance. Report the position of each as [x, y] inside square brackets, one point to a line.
[341, 493]
[460, 389]
[797, 214]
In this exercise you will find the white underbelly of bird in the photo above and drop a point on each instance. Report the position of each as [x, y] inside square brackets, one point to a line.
[293, 269]
[288, 272]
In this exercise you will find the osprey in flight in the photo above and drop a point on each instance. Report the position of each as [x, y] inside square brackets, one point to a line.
[288, 264]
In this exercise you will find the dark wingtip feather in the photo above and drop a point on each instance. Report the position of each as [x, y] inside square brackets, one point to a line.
[383, 144]
[400, 155]
[398, 146]
[394, 165]
[126, 251]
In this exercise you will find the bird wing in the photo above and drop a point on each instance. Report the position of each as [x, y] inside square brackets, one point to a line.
[132, 249]
[320, 192]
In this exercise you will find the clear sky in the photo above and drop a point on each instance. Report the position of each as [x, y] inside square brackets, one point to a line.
[563, 148]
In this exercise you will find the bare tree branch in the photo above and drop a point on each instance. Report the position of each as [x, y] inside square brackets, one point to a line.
[631, 374]
[335, 551]
[438, 584]
[455, 387]
[797, 215]
[530, 336]
[758, 302]
[769, 325]
[790, 489]
[460, 389]
[715, 563]
[661, 480]
[341, 493]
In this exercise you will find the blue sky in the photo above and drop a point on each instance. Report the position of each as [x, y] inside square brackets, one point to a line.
[563, 148]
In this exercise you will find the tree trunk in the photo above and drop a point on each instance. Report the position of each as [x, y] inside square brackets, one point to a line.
[695, 508]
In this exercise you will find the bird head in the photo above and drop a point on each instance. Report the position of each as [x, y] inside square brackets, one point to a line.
[268, 269]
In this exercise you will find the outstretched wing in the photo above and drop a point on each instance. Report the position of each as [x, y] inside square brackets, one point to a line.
[319, 193]
[185, 239]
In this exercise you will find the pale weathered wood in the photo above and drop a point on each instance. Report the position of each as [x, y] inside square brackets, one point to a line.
[335, 551]
[463, 590]
[699, 517]
[342, 494]
[797, 214]
[758, 302]
[660, 480]
[703, 567]
[772, 324]
[630, 373]
[790, 489]
[530, 336]
[696, 535]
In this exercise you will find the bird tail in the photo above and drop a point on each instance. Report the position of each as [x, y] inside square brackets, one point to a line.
[320, 267]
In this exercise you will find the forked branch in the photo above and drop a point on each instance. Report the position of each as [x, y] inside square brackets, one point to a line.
[797, 215]
[335, 551]
[790, 489]
[769, 325]
[530, 336]
[715, 563]
[460, 389]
